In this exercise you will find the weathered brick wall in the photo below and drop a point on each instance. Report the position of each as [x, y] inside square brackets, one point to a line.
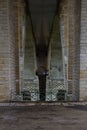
[76, 62]
[7, 69]
[11, 41]
[18, 23]
[83, 52]
[74, 47]
[12, 76]
[70, 33]
[16, 40]
[4, 53]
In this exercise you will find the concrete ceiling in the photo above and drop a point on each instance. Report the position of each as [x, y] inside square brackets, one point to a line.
[43, 17]
[42, 14]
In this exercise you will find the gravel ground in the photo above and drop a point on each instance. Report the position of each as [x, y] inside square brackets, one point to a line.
[43, 118]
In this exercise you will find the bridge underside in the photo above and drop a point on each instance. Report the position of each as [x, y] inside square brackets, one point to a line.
[42, 47]
[44, 17]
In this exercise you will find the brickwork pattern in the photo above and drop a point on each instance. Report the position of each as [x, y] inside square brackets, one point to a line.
[16, 39]
[7, 71]
[76, 55]
[83, 52]
[11, 17]
[12, 76]
[69, 17]
[18, 15]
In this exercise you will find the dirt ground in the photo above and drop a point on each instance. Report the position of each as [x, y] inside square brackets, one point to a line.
[43, 118]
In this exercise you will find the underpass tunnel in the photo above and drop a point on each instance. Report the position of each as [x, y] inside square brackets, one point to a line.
[42, 53]
[49, 74]
[43, 49]
[42, 44]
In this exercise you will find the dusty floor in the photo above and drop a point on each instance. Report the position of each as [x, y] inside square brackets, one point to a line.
[43, 118]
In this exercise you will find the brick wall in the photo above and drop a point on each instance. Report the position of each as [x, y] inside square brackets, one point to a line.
[11, 41]
[83, 52]
[74, 47]
[7, 69]
[12, 74]
[4, 53]
[16, 40]
[70, 35]
[18, 23]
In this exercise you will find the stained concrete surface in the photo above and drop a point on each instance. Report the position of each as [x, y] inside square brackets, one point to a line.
[43, 118]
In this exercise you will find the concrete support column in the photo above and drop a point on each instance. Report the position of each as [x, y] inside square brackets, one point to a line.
[64, 38]
[83, 52]
[11, 42]
[19, 43]
[70, 12]
[74, 13]
[16, 18]
[42, 87]
[7, 51]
